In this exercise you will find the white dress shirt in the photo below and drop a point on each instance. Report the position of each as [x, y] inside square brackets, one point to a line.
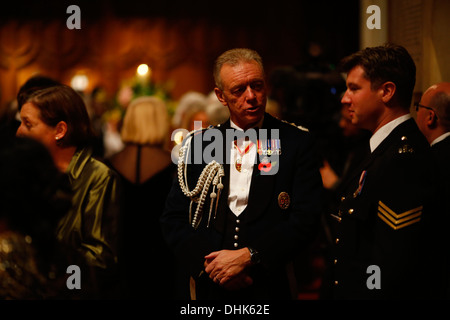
[240, 181]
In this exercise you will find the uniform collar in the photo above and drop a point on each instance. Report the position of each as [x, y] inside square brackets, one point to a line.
[381, 134]
[257, 126]
[440, 138]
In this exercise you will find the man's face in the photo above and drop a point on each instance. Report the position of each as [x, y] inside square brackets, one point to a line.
[423, 114]
[364, 104]
[244, 92]
[346, 125]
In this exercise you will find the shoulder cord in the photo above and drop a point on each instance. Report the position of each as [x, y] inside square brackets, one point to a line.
[213, 172]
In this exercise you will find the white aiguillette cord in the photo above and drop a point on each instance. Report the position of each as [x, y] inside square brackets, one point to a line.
[213, 172]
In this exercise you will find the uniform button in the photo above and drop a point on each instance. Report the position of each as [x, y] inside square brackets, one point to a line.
[336, 282]
[236, 237]
[337, 240]
[404, 138]
[238, 221]
[342, 199]
[335, 261]
[350, 211]
[236, 229]
[235, 244]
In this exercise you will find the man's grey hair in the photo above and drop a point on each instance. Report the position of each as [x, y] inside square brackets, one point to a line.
[234, 57]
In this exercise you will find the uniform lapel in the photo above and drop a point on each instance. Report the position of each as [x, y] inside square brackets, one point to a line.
[261, 191]
[403, 128]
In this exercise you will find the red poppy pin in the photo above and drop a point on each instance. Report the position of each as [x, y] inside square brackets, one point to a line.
[265, 167]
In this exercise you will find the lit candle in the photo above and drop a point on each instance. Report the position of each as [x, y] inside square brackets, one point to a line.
[143, 72]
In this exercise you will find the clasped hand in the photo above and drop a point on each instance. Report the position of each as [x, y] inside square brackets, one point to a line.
[228, 268]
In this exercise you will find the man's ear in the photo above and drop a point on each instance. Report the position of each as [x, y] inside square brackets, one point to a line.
[432, 119]
[387, 91]
[219, 95]
[61, 130]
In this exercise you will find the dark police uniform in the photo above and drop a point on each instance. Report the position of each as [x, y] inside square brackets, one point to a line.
[386, 223]
[441, 150]
[282, 215]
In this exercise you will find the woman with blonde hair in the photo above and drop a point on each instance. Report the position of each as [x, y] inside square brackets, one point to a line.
[145, 133]
[146, 170]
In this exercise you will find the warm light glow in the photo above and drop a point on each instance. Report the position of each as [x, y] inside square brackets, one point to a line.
[143, 69]
[178, 137]
[79, 82]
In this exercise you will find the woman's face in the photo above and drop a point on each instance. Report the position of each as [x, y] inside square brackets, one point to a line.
[33, 127]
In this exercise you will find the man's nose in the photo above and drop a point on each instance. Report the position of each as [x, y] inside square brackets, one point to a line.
[345, 98]
[19, 132]
[250, 94]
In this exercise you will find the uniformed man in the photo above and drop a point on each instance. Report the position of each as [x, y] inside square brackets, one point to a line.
[389, 201]
[433, 119]
[235, 223]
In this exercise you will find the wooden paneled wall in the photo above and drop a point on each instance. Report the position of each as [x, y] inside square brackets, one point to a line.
[179, 47]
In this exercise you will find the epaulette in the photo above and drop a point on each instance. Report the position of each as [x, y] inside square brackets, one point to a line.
[191, 134]
[294, 125]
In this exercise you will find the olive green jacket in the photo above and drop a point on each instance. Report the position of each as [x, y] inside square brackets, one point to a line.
[91, 224]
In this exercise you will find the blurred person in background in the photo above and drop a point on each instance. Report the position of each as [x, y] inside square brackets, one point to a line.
[56, 116]
[34, 197]
[188, 102]
[433, 120]
[146, 172]
[192, 107]
[216, 111]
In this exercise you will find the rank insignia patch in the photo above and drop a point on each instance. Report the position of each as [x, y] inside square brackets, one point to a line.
[401, 220]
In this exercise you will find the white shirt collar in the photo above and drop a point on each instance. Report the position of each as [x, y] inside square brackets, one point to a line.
[440, 138]
[385, 130]
[235, 126]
